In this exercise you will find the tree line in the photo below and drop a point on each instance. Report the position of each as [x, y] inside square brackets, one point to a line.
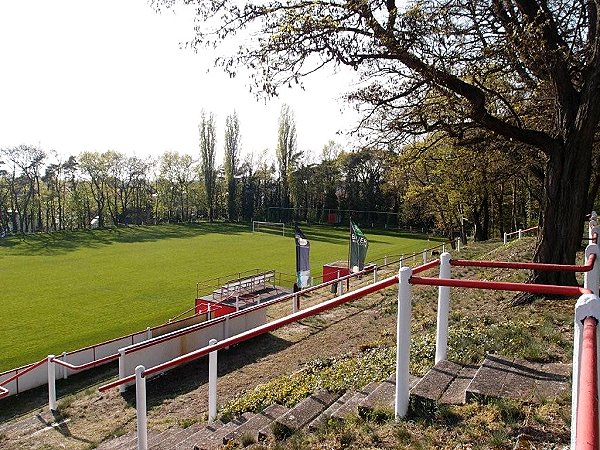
[521, 75]
[431, 184]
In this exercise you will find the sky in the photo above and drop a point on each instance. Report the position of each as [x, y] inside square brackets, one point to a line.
[97, 75]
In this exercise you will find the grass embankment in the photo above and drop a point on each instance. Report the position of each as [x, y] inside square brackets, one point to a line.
[63, 291]
[480, 322]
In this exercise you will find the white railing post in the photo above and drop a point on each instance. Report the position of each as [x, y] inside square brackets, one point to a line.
[400, 261]
[122, 368]
[441, 340]
[212, 383]
[458, 244]
[51, 383]
[505, 238]
[140, 407]
[226, 332]
[588, 305]
[593, 226]
[295, 304]
[385, 260]
[592, 277]
[375, 275]
[237, 302]
[148, 333]
[520, 233]
[64, 369]
[443, 248]
[424, 256]
[403, 343]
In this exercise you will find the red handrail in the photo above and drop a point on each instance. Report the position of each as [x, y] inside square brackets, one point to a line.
[525, 265]
[426, 266]
[587, 407]
[184, 331]
[550, 289]
[94, 363]
[3, 391]
[271, 326]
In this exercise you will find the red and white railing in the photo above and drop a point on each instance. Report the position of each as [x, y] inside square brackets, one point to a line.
[519, 233]
[5, 392]
[585, 400]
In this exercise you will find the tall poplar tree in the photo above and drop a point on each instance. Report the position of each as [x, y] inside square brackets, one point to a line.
[207, 160]
[230, 164]
[287, 155]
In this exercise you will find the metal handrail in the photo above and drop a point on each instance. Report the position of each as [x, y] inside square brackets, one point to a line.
[550, 289]
[262, 329]
[160, 339]
[525, 265]
[3, 391]
[88, 365]
[587, 408]
[522, 231]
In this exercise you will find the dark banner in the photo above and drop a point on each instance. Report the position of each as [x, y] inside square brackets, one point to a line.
[302, 258]
[358, 249]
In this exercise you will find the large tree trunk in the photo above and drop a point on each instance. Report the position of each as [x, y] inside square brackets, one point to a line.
[564, 208]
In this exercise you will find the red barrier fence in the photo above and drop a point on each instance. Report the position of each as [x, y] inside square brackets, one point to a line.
[587, 409]
[524, 265]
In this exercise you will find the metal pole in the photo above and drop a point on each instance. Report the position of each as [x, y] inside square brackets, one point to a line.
[588, 305]
[140, 406]
[403, 343]
[64, 369]
[122, 368]
[505, 238]
[51, 383]
[212, 383]
[441, 340]
[592, 277]
[520, 233]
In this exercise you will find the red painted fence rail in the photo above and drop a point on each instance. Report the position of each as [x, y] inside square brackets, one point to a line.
[587, 409]
[525, 265]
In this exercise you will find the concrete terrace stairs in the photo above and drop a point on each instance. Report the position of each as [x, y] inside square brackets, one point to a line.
[447, 382]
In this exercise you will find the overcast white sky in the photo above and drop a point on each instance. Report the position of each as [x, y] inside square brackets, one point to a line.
[83, 75]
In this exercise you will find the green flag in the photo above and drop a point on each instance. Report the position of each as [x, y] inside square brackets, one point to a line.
[358, 249]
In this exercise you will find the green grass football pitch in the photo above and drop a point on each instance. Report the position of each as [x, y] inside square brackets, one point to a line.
[64, 291]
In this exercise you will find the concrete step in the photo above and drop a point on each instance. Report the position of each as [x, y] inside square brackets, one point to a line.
[126, 442]
[351, 406]
[112, 444]
[254, 424]
[383, 396]
[455, 394]
[199, 437]
[434, 384]
[321, 419]
[300, 415]
[174, 436]
[211, 436]
[518, 379]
